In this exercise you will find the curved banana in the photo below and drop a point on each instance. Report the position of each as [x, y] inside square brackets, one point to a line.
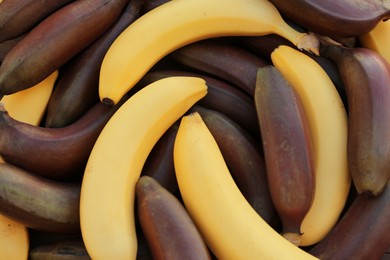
[178, 23]
[327, 120]
[29, 105]
[229, 225]
[116, 161]
[378, 39]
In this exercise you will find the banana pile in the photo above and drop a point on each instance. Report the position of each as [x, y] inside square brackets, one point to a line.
[224, 129]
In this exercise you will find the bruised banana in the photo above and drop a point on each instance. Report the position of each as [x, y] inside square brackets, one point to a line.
[327, 120]
[288, 149]
[362, 233]
[178, 23]
[223, 60]
[56, 153]
[335, 18]
[229, 225]
[244, 160]
[169, 230]
[19, 16]
[366, 78]
[378, 39]
[61, 36]
[117, 158]
[37, 202]
[77, 90]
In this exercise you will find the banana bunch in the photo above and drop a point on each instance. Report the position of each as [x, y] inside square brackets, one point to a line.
[225, 129]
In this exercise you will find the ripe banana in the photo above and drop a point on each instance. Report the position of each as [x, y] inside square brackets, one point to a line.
[378, 39]
[107, 200]
[77, 90]
[366, 78]
[166, 224]
[244, 159]
[56, 153]
[223, 60]
[327, 120]
[29, 105]
[335, 18]
[221, 96]
[37, 202]
[230, 226]
[14, 241]
[362, 233]
[178, 23]
[288, 149]
[61, 36]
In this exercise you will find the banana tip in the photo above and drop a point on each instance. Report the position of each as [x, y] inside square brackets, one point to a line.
[309, 42]
[108, 101]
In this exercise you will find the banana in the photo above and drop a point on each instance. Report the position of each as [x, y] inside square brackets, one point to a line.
[231, 228]
[159, 164]
[288, 150]
[14, 241]
[327, 120]
[366, 78]
[56, 153]
[61, 36]
[37, 202]
[335, 18]
[221, 96]
[244, 160]
[377, 39]
[13, 14]
[362, 233]
[107, 200]
[29, 105]
[77, 91]
[166, 224]
[223, 60]
[178, 23]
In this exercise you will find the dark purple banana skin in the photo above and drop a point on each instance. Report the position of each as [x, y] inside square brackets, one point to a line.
[335, 18]
[19, 16]
[366, 78]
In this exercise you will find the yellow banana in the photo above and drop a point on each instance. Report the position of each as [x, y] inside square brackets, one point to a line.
[327, 119]
[230, 226]
[378, 39]
[27, 106]
[177, 23]
[14, 241]
[116, 161]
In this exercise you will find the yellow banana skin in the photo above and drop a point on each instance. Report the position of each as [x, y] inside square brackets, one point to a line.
[28, 106]
[327, 120]
[116, 161]
[178, 23]
[230, 226]
[378, 39]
